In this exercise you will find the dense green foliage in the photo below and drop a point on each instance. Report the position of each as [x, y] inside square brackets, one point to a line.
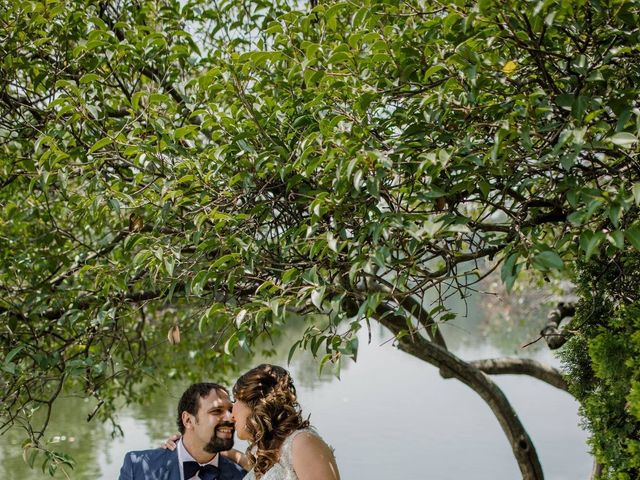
[96, 232]
[603, 362]
[217, 166]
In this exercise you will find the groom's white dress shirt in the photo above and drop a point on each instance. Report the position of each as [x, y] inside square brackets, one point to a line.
[184, 456]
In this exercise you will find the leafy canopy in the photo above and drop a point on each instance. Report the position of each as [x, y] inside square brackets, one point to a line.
[221, 166]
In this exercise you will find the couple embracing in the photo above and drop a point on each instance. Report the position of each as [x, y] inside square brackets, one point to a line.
[282, 445]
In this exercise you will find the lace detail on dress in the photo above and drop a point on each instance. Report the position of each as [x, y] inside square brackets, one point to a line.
[283, 470]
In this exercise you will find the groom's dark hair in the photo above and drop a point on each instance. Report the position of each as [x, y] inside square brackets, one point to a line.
[190, 400]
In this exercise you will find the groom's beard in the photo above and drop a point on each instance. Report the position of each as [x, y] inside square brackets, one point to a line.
[217, 444]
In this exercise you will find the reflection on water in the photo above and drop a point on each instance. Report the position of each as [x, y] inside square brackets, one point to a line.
[390, 416]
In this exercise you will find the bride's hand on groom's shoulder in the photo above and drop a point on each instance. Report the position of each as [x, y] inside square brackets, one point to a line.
[170, 443]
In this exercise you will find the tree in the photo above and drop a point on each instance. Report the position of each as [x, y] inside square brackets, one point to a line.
[219, 167]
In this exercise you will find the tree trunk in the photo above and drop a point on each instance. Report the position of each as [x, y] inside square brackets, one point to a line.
[596, 473]
[418, 346]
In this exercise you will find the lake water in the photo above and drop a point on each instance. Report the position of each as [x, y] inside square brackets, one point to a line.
[390, 416]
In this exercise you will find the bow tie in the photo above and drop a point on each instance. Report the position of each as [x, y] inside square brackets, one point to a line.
[205, 472]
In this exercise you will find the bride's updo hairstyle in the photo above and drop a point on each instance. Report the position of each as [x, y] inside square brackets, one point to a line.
[269, 392]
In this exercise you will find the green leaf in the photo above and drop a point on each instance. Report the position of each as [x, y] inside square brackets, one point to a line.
[289, 275]
[332, 242]
[616, 238]
[292, 351]
[357, 180]
[135, 99]
[338, 57]
[103, 142]
[13, 353]
[579, 106]
[615, 211]
[94, 111]
[509, 272]
[633, 236]
[89, 78]
[324, 361]
[114, 204]
[431, 70]
[231, 344]
[590, 241]
[199, 282]
[382, 58]
[565, 100]
[577, 218]
[623, 139]
[549, 260]
[351, 348]
[141, 257]
[184, 131]
[317, 295]
[186, 179]
[229, 258]
[169, 264]
[159, 98]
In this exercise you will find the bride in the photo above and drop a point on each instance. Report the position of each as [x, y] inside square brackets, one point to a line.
[282, 446]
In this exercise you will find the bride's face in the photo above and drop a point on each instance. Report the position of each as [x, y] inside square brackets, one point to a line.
[241, 412]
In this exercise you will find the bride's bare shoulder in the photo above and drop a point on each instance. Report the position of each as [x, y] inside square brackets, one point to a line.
[312, 458]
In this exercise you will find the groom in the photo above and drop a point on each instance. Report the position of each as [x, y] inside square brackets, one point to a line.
[204, 420]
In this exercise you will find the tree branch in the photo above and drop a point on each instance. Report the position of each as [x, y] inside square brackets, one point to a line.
[520, 366]
[419, 347]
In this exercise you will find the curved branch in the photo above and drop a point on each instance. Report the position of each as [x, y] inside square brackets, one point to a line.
[419, 347]
[520, 366]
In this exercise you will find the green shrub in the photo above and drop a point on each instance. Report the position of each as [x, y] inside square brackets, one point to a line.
[603, 362]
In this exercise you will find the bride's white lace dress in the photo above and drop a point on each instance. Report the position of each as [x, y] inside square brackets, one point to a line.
[283, 470]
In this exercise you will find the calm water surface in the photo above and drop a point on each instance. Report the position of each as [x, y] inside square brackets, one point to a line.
[390, 416]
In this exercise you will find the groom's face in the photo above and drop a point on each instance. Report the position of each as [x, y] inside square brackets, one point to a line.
[213, 425]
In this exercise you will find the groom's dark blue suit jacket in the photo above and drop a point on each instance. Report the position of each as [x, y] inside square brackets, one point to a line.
[160, 464]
